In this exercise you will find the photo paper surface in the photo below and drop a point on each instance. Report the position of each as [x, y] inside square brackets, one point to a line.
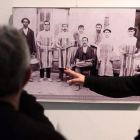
[100, 42]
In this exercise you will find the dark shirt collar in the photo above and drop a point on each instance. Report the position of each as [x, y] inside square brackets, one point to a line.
[6, 105]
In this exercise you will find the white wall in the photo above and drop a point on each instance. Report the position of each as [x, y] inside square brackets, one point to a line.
[84, 124]
[96, 125]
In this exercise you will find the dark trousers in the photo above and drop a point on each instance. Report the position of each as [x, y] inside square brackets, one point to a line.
[61, 71]
[116, 74]
[48, 73]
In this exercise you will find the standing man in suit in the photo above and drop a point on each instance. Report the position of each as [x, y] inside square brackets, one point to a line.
[29, 35]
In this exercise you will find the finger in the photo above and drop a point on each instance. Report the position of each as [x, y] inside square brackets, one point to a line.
[74, 81]
[69, 76]
[74, 74]
[67, 71]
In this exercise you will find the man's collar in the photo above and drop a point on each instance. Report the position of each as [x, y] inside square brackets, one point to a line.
[6, 104]
[85, 46]
[46, 30]
[25, 28]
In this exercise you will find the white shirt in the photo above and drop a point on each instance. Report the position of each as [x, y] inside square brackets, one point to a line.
[25, 31]
[85, 49]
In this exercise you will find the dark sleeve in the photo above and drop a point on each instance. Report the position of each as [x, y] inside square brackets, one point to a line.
[93, 54]
[33, 42]
[77, 54]
[116, 87]
[138, 136]
[30, 107]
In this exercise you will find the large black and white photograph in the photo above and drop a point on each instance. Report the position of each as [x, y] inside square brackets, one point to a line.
[99, 42]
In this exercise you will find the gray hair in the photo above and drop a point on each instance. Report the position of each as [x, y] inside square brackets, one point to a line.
[14, 60]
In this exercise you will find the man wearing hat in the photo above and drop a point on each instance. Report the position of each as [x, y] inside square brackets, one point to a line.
[29, 35]
[127, 49]
[106, 54]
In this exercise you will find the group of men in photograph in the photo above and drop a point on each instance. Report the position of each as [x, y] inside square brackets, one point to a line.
[77, 53]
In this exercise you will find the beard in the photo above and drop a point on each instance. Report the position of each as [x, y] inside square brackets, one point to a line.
[65, 30]
[98, 31]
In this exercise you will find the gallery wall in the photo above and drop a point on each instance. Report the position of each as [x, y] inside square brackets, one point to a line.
[80, 121]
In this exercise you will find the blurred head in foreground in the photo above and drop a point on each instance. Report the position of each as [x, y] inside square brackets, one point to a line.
[14, 62]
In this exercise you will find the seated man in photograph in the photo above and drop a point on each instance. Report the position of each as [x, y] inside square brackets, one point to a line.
[21, 117]
[84, 57]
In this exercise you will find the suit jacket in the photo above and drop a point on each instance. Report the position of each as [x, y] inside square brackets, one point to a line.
[30, 39]
[90, 53]
[137, 35]
[29, 123]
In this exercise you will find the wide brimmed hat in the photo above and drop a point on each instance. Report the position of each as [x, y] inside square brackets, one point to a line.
[107, 30]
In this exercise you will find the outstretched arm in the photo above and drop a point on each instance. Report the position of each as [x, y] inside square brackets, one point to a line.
[116, 87]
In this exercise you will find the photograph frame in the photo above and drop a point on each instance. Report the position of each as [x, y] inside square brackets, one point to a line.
[75, 98]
